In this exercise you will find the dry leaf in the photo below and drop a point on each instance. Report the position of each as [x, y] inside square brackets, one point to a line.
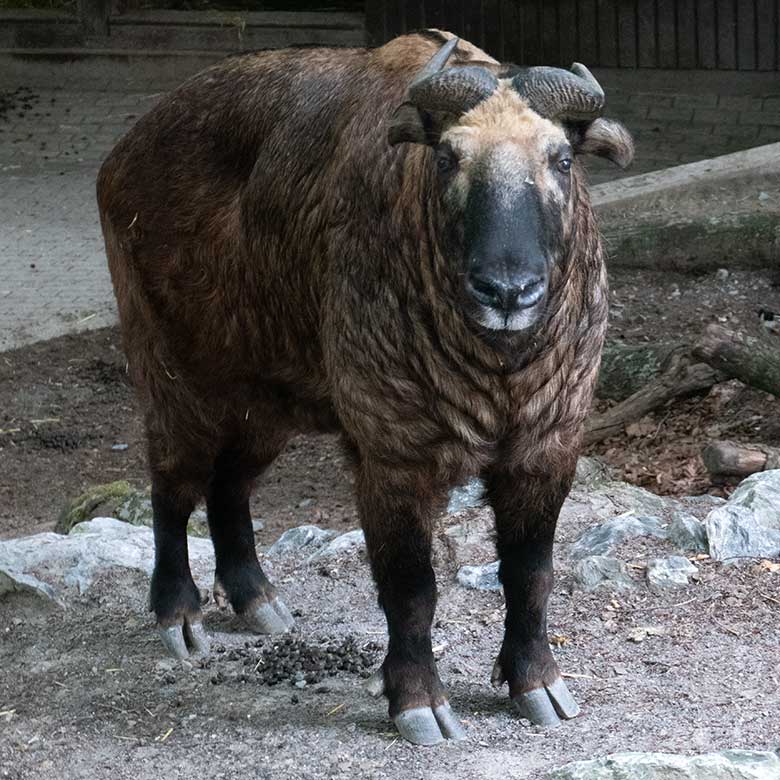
[770, 566]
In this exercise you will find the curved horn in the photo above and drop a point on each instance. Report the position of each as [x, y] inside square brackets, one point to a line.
[454, 91]
[555, 93]
[437, 62]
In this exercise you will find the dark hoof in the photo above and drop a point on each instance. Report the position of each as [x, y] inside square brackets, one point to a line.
[268, 617]
[429, 726]
[547, 706]
[184, 640]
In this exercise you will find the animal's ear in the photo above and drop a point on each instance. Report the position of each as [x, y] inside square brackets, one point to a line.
[604, 138]
[409, 124]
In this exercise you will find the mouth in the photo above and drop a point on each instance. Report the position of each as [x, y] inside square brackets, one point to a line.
[508, 321]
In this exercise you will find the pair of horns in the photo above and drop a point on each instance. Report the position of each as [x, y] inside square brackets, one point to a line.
[554, 93]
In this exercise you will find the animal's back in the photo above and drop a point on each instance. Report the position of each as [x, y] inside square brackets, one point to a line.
[200, 199]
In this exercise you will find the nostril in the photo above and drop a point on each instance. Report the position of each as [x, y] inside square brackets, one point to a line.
[485, 290]
[530, 291]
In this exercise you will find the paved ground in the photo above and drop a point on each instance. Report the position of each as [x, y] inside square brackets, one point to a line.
[53, 277]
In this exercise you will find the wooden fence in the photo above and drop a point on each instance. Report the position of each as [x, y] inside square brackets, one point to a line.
[676, 34]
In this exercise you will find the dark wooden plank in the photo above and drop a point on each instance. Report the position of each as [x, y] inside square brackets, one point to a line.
[647, 56]
[375, 22]
[472, 19]
[513, 31]
[531, 32]
[413, 15]
[435, 14]
[766, 39]
[627, 53]
[686, 33]
[608, 33]
[567, 32]
[589, 32]
[550, 48]
[666, 26]
[706, 34]
[726, 34]
[492, 29]
[746, 35]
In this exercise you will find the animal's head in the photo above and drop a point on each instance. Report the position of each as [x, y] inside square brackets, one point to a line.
[505, 143]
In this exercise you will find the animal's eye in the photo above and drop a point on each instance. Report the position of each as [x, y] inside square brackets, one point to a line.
[564, 164]
[446, 161]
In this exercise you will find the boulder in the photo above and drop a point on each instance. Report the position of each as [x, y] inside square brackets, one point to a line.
[728, 765]
[672, 572]
[596, 570]
[748, 524]
[601, 539]
[57, 565]
[479, 577]
[96, 501]
[341, 545]
[306, 538]
[687, 532]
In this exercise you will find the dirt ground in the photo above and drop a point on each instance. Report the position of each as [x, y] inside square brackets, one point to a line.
[84, 694]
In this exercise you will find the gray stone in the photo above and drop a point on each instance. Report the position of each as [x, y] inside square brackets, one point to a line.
[466, 496]
[63, 564]
[479, 577]
[748, 525]
[471, 540]
[344, 543]
[136, 509]
[603, 500]
[305, 538]
[591, 472]
[687, 532]
[602, 538]
[728, 765]
[672, 572]
[595, 570]
[17, 582]
[705, 500]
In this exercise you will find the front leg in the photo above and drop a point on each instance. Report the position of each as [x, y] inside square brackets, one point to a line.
[526, 509]
[395, 511]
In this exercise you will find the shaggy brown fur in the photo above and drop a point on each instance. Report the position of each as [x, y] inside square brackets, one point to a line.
[279, 268]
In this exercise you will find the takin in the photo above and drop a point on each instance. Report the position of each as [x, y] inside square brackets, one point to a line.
[395, 244]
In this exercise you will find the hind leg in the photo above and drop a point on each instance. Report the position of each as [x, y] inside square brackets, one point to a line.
[239, 576]
[173, 596]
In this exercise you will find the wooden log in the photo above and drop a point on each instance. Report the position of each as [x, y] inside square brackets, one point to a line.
[730, 459]
[682, 377]
[754, 361]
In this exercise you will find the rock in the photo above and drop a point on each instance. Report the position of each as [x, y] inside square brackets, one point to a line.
[728, 765]
[591, 472]
[705, 500]
[672, 572]
[344, 543]
[124, 502]
[602, 538]
[63, 564]
[304, 537]
[631, 498]
[466, 496]
[467, 541]
[18, 582]
[479, 577]
[100, 499]
[687, 532]
[595, 570]
[748, 524]
[136, 509]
